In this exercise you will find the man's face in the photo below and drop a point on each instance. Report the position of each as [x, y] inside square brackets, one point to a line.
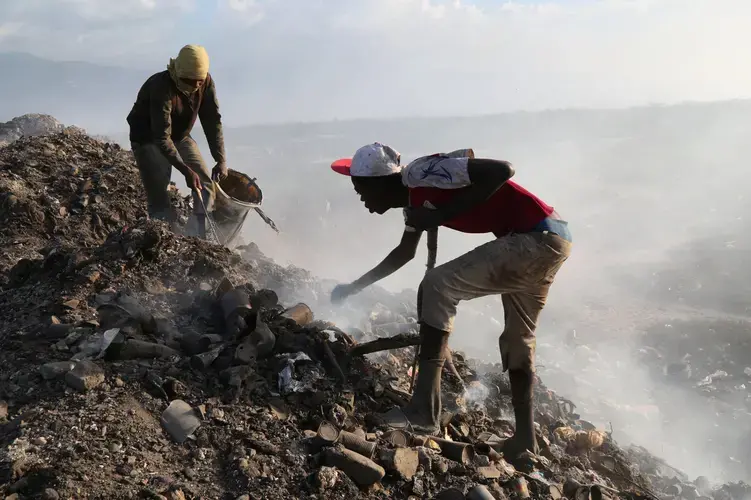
[192, 83]
[372, 195]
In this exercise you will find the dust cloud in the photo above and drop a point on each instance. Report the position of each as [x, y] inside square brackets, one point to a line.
[655, 200]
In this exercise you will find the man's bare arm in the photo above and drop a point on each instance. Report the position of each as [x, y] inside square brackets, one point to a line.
[395, 260]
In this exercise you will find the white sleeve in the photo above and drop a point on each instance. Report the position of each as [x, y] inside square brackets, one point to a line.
[438, 171]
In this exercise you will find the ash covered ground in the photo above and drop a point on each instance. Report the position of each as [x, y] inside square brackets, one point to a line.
[126, 373]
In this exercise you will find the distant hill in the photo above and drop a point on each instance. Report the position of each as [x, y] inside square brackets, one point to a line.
[77, 93]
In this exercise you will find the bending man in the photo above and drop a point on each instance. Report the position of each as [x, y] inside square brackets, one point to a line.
[161, 121]
[472, 196]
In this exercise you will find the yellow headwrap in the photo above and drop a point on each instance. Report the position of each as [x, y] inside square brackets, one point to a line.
[192, 63]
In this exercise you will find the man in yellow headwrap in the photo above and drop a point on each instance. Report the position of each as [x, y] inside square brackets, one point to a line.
[160, 122]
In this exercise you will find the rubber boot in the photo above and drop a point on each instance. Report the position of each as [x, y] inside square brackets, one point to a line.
[424, 410]
[422, 414]
[522, 384]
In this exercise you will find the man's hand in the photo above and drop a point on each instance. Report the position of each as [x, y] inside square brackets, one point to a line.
[192, 180]
[341, 292]
[219, 172]
[422, 218]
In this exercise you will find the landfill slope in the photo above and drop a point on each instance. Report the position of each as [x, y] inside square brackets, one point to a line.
[137, 363]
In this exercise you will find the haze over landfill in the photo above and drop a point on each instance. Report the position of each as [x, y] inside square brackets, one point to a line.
[630, 117]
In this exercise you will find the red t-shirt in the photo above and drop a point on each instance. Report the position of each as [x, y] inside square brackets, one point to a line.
[512, 209]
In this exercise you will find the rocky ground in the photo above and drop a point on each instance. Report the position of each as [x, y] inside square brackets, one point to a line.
[136, 363]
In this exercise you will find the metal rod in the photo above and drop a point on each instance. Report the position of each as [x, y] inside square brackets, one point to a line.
[212, 225]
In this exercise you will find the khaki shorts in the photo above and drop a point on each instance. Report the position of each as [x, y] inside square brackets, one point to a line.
[519, 267]
[156, 172]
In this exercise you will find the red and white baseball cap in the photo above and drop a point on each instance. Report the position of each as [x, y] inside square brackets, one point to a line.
[373, 160]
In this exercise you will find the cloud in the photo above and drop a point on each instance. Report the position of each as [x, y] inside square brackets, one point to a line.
[93, 30]
[310, 59]
[9, 29]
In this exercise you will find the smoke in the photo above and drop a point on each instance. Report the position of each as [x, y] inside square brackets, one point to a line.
[652, 196]
[655, 196]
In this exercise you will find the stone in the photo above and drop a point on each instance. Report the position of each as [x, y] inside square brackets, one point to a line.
[50, 494]
[180, 420]
[326, 478]
[56, 369]
[72, 303]
[85, 376]
[440, 465]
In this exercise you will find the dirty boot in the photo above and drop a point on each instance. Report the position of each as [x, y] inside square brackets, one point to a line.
[422, 414]
[522, 382]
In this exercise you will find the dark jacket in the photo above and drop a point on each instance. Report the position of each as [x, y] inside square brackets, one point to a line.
[163, 115]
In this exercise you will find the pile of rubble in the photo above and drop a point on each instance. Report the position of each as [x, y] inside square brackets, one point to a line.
[31, 125]
[135, 363]
[66, 190]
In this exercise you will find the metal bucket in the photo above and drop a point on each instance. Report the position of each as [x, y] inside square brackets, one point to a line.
[236, 196]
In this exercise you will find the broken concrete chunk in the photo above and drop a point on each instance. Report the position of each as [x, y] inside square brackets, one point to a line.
[326, 478]
[403, 461]
[85, 376]
[180, 420]
[489, 472]
[56, 369]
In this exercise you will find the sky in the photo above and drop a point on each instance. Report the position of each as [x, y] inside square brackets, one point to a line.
[284, 60]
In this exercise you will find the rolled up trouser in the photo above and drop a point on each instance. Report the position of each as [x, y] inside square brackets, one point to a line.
[519, 267]
[156, 172]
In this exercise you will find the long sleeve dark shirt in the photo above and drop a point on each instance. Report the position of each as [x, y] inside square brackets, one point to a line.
[163, 115]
